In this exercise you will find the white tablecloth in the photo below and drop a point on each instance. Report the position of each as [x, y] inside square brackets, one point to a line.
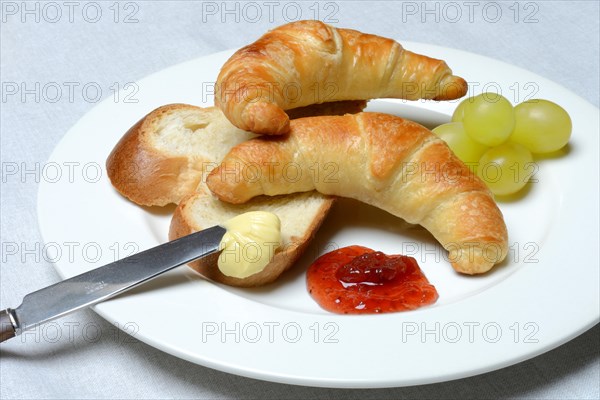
[72, 46]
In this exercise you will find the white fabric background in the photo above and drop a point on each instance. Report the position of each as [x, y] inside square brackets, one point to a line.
[562, 46]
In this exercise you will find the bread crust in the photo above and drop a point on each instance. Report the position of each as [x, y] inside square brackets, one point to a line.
[145, 175]
[383, 160]
[283, 259]
[309, 62]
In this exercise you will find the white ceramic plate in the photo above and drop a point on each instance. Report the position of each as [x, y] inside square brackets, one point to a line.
[544, 295]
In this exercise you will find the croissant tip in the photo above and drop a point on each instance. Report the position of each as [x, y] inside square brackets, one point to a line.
[451, 88]
[265, 118]
[471, 259]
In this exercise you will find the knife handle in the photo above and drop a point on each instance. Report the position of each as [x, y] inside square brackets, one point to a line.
[8, 325]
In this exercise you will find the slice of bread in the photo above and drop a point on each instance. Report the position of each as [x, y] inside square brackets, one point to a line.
[168, 153]
[165, 157]
[300, 214]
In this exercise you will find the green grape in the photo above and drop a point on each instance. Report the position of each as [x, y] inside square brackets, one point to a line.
[541, 125]
[465, 148]
[489, 119]
[506, 168]
[459, 113]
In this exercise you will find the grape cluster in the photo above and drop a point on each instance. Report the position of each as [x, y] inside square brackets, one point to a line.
[498, 140]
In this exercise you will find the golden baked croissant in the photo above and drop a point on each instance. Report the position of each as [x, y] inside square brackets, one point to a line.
[386, 161]
[308, 62]
[165, 156]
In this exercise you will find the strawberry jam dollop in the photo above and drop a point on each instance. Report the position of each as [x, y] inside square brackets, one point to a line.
[358, 280]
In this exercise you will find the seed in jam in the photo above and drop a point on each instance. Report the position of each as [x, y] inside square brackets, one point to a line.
[370, 268]
[358, 280]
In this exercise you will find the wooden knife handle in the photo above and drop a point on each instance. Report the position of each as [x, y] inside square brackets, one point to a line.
[7, 325]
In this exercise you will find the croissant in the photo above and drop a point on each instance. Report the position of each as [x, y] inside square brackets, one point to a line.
[308, 62]
[383, 160]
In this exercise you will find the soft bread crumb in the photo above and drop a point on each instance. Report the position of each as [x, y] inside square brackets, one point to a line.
[197, 133]
[296, 212]
[300, 214]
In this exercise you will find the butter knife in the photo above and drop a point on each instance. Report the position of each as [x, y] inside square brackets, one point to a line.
[107, 281]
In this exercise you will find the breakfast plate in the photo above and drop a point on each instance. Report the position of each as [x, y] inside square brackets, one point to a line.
[543, 295]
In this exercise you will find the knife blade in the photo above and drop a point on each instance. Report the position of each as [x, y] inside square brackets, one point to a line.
[102, 283]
